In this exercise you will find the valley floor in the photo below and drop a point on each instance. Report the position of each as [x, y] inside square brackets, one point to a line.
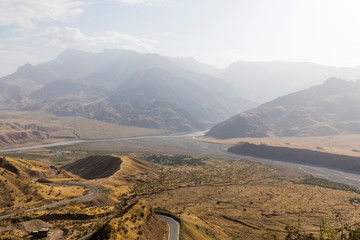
[215, 195]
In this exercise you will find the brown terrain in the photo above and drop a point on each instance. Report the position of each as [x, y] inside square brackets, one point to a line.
[215, 198]
[94, 166]
[138, 222]
[339, 144]
[243, 200]
[38, 127]
[13, 133]
[20, 192]
[342, 162]
[104, 211]
[24, 168]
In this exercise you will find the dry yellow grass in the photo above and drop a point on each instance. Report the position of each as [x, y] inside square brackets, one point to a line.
[138, 222]
[19, 192]
[240, 200]
[221, 199]
[28, 168]
[131, 171]
[72, 208]
[190, 232]
[86, 219]
[13, 235]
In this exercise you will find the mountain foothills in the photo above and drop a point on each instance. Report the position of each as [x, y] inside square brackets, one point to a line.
[122, 87]
[328, 109]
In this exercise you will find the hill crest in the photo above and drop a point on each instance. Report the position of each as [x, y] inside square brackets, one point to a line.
[323, 110]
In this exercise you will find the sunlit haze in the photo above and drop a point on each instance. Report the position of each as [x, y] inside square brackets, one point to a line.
[179, 119]
[211, 31]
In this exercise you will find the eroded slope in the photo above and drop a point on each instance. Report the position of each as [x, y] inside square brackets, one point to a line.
[95, 166]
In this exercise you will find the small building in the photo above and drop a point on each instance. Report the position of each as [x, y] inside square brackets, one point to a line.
[42, 233]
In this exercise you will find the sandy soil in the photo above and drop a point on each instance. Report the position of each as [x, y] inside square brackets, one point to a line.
[341, 144]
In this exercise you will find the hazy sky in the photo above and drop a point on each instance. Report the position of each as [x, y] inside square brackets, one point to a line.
[217, 32]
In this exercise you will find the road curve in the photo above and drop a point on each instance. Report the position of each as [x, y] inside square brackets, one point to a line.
[94, 192]
[174, 227]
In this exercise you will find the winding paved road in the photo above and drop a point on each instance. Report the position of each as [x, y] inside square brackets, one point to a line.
[174, 227]
[94, 192]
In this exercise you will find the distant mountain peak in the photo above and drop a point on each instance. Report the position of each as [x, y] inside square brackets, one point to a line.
[335, 81]
[25, 67]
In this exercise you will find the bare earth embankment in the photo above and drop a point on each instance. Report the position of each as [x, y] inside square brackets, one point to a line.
[303, 156]
[339, 144]
[94, 166]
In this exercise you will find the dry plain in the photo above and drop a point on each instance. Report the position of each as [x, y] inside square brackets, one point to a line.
[215, 198]
[219, 199]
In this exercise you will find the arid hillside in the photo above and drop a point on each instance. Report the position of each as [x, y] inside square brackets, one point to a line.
[95, 166]
[138, 222]
[323, 110]
[13, 133]
[27, 168]
[243, 200]
[20, 192]
[215, 199]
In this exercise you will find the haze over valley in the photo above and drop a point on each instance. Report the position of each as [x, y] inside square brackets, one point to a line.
[169, 120]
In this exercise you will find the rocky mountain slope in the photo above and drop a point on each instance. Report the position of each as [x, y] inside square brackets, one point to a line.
[157, 99]
[328, 109]
[122, 87]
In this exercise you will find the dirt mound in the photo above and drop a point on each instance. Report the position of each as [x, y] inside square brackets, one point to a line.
[95, 166]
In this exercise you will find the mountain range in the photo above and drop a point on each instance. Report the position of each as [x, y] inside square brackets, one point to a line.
[177, 94]
[328, 109]
[122, 87]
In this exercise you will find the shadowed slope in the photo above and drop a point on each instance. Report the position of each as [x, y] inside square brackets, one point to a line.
[94, 166]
